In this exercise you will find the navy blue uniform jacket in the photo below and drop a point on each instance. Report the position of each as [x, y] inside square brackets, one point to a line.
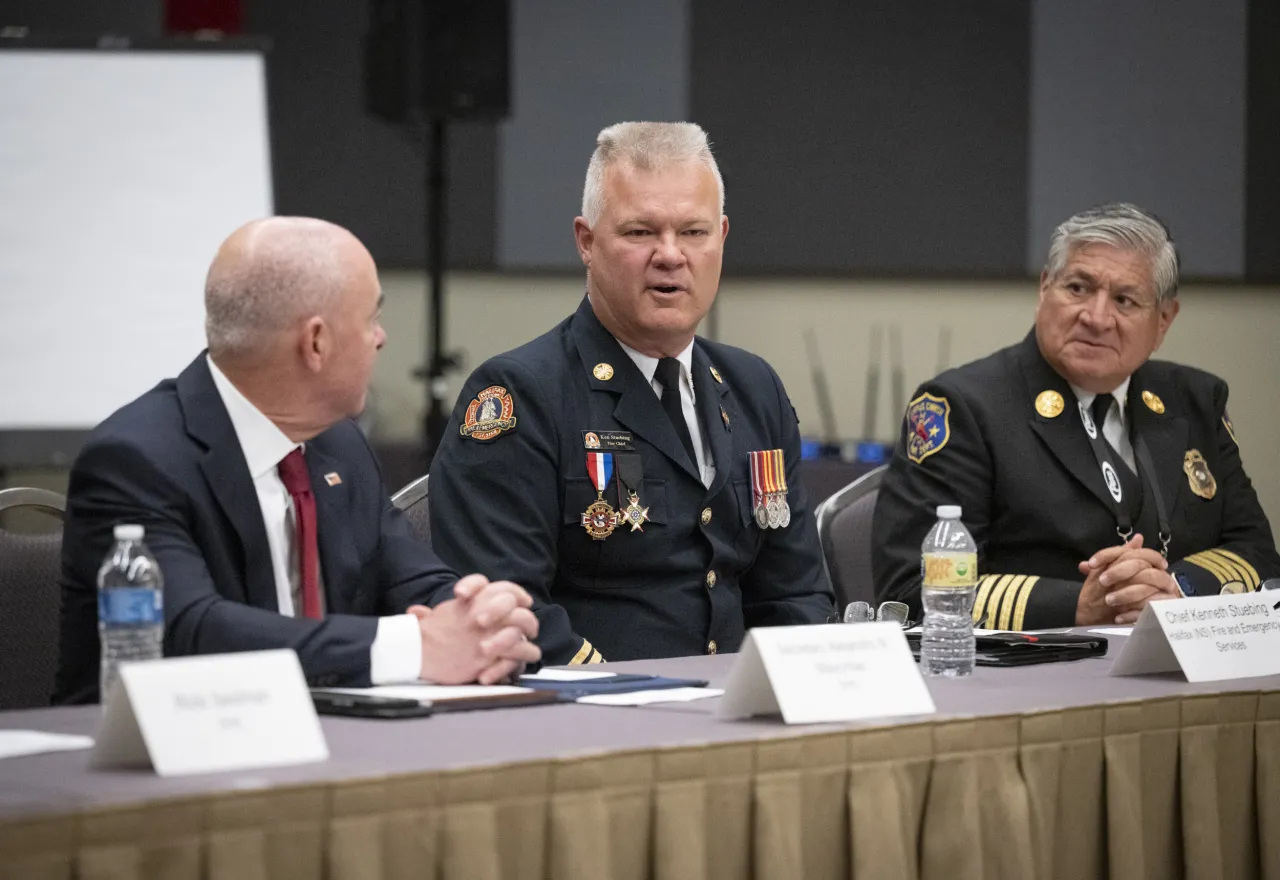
[699, 573]
[1036, 502]
[171, 461]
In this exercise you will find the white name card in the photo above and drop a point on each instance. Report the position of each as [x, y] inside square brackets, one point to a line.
[836, 672]
[1208, 638]
[210, 713]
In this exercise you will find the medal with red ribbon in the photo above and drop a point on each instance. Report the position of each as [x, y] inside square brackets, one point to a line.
[769, 489]
[600, 519]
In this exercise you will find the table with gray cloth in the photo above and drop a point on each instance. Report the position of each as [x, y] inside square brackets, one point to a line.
[1053, 771]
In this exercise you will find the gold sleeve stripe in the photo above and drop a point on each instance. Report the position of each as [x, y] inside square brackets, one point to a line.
[1211, 565]
[993, 602]
[1249, 569]
[1007, 601]
[584, 653]
[1020, 612]
[985, 586]
[596, 657]
[1229, 565]
[984, 590]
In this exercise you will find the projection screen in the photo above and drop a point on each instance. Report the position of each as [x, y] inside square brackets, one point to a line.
[122, 171]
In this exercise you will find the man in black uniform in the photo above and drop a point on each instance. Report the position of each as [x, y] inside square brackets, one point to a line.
[639, 482]
[1065, 445]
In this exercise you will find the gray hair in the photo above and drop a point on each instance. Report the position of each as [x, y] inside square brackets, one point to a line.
[647, 146]
[1123, 226]
[266, 278]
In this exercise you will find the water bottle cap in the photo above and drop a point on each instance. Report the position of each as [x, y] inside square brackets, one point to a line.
[128, 532]
[948, 511]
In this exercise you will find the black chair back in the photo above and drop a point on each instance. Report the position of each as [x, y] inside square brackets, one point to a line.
[30, 602]
[844, 528]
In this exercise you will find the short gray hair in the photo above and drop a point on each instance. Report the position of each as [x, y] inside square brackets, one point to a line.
[647, 146]
[1123, 226]
[269, 282]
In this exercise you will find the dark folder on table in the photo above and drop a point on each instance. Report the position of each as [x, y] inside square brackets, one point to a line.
[1025, 649]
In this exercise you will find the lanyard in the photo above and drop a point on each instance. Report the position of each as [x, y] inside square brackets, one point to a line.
[1149, 478]
[1111, 477]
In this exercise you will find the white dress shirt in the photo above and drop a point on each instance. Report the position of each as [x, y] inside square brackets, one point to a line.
[688, 402]
[1114, 428]
[396, 654]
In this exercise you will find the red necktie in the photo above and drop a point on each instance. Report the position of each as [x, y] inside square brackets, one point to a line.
[293, 473]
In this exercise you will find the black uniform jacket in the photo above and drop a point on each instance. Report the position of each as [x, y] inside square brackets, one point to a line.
[701, 571]
[1035, 500]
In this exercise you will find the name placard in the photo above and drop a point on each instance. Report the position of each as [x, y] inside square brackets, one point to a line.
[211, 713]
[1207, 638]
[836, 672]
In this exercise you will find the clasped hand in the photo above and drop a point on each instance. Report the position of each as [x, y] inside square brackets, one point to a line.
[1120, 581]
[485, 633]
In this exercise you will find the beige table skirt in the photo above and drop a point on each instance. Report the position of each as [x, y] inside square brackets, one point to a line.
[1160, 789]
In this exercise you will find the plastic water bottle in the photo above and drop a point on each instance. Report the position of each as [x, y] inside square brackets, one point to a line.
[949, 565]
[130, 605]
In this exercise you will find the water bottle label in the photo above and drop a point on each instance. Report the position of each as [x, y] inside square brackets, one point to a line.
[130, 605]
[950, 571]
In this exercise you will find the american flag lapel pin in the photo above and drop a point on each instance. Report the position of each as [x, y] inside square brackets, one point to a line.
[333, 479]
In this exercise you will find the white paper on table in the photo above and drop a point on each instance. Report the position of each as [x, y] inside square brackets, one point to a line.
[1113, 630]
[17, 743]
[644, 698]
[430, 693]
[568, 675]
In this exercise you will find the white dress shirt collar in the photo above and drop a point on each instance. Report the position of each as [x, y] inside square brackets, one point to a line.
[264, 445]
[1121, 394]
[649, 365]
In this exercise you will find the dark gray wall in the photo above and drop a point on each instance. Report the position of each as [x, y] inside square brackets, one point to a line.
[867, 137]
[134, 18]
[578, 67]
[1262, 144]
[1141, 101]
[875, 136]
[336, 162]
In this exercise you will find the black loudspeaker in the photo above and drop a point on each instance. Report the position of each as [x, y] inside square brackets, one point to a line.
[438, 59]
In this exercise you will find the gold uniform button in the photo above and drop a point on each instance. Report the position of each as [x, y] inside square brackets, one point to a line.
[711, 579]
[711, 646]
[706, 515]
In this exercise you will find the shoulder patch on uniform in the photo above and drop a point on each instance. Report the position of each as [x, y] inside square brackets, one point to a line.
[1231, 429]
[490, 413]
[928, 426]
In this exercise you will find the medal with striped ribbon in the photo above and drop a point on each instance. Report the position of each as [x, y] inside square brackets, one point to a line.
[769, 489]
[600, 519]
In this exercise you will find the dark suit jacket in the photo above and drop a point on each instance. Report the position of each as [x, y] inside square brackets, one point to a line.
[1035, 500]
[513, 504]
[171, 461]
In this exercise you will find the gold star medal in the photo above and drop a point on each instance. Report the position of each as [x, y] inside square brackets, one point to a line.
[635, 514]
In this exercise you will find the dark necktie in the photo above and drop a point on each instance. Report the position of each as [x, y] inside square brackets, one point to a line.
[297, 481]
[668, 375]
[1101, 406]
[1128, 479]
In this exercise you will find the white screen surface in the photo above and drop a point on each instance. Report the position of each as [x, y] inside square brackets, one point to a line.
[120, 174]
